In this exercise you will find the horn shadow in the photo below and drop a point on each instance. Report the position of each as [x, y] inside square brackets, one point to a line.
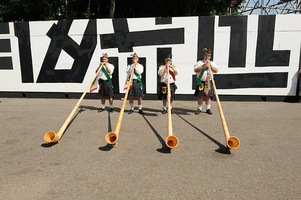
[108, 147]
[164, 148]
[221, 148]
[50, 144]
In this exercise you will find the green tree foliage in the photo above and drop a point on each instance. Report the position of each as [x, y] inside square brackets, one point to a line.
[18, 10]
[38, 10]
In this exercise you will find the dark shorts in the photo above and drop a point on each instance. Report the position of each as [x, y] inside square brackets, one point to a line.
[199, 90]
[162, 94]
[105, 89]
[136, 89]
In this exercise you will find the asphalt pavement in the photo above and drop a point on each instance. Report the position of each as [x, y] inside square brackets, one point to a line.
[267, 164]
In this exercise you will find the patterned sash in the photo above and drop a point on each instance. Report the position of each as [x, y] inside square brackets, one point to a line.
[205, 86]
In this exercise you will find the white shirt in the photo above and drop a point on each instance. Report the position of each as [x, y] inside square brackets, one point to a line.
[139, 70]
[206, 73]
[101, 74]
[164, 78]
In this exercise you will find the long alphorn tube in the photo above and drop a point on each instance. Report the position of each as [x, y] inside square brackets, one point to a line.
[112, 137]
[171, 140]
[231, 141]
[51, 136]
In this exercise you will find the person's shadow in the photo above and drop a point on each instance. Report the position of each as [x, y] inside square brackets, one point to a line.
[297, 92]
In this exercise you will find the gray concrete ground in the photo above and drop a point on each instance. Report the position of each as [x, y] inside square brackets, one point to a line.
[82, 166]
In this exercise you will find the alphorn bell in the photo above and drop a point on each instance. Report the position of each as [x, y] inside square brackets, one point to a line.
[112, 137]
[231, 141]
[51, 136]
[171, 140]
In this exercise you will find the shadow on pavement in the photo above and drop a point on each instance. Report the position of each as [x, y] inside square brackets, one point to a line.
[108, 147]
[164, 148]
[222, 148]
[47, 145]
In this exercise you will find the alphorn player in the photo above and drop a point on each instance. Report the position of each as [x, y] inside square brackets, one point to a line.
[204, 88]
[105, 82]
[136, 89]
[163, 73]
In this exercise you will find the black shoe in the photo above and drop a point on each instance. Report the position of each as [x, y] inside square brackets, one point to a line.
[141, 111]
[208, 111]
[131, 111]
[171, 111]
[111, 110]
[164, 111]
[101, 109]
[198, 111]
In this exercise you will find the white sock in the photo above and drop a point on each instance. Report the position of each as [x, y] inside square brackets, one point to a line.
[140, 107]
[208, 106]
[200, 107]
[103, 106]
[132, 106]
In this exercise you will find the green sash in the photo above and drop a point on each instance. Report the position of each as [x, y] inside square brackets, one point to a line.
[139, 79]
[198, 81]
[104, 71]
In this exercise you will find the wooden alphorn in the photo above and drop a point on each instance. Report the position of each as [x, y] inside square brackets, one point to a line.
[112, 137]
[171, 140]
[51, 136]
[231, 141]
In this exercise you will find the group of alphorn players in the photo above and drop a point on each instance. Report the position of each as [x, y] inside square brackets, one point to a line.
[204, 70]
[203, 84]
